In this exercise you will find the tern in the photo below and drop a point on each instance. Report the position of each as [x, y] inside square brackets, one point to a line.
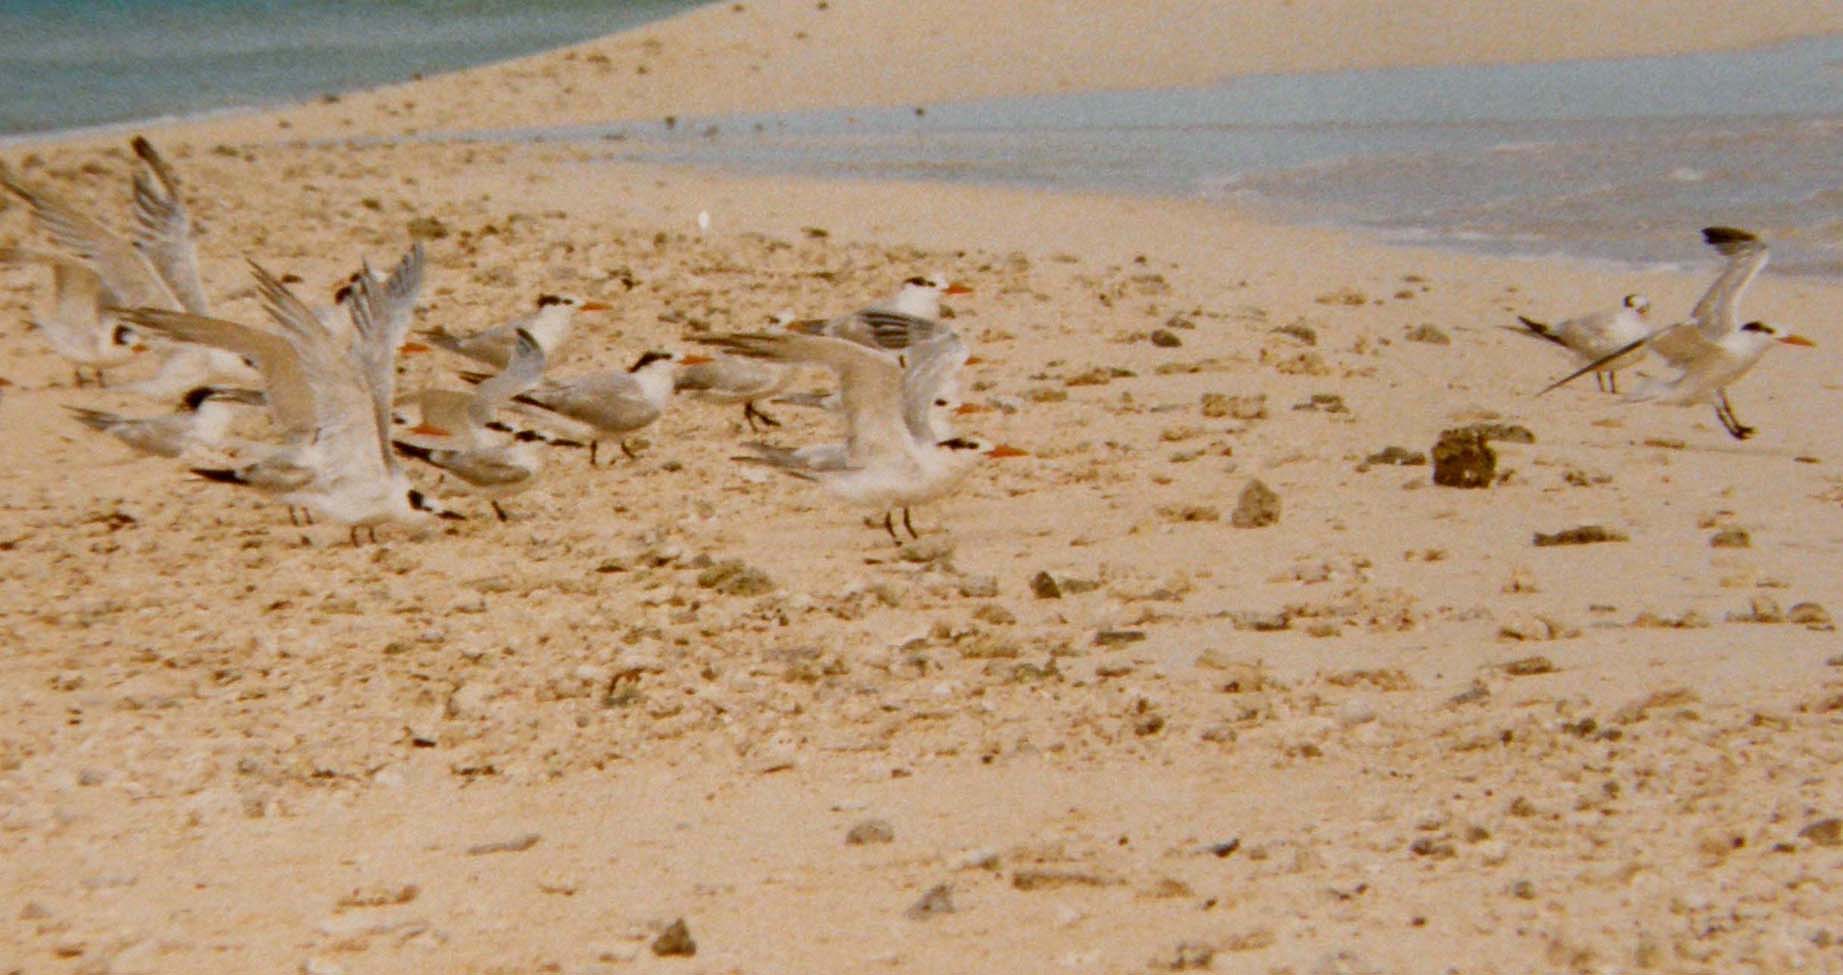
[201, 422]
[330, 398]
[1593, 336]
[550, 324]
[78, 325]
[493, 466]
[890, 457]
[1711, 349]
[604, 404]
[728, 380]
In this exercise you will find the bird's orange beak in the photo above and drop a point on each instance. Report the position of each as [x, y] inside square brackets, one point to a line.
[594, 306]
[694, 360]
[1798, 340]
[967, 409]
[973, 360]
[412, 348]
[957, 288]
[807, 326]
[1003, 450]
[427, 429]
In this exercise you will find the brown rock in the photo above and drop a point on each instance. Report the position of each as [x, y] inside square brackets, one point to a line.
[1824, 832]
[1731, 538]
[1258, 507]
[1462, 459]
[675, 941]
[870, 831]
[1582, 535]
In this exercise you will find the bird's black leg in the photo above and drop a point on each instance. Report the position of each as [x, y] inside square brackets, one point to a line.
[1725, 411]
[909, 525]
[751, 413]
[1599, 379]
[889, 525]
[1612, 379]
[501, 512]
[292, 520]
[593, 446]
[629, 451]
[352, 533]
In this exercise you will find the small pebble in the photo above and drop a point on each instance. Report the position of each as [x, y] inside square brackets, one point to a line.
[1731, 538]
[1257, 507]
[1824, 832]
[938, 900]
[675, 941]
[870, 831]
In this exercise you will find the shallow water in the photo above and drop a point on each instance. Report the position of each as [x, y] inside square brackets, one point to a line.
[1616, 160]
[67, 65]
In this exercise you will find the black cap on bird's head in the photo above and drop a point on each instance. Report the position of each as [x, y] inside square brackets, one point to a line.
[1757, 327]
[122, 335]
[196, 396]
[647, 359]
[545, 301]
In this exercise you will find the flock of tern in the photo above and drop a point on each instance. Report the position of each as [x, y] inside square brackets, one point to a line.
[326, 375]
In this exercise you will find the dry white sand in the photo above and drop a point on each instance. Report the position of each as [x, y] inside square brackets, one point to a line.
[529, 747]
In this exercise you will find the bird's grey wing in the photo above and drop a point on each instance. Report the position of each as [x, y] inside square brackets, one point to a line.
[77, 297]
[1717, 315]
[128, 279]
[608, 401]
[276, 357]
[870, 383]
[931, 378]
[375, 355]
[395, 299]
[519, 375]
[163, 229]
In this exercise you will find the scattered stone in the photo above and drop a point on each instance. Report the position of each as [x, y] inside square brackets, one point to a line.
[1399, 456]
[1808, 614]
[1187, 956]
[979, 587]
[427, 228]
[321, 966]
[1299, 330]
[1731, 538]
[1043, 878]
[994, 614]
[1356, 711]
[733, 577]
[1529, 666]
[1045, 586]
[1760, 609]
[1521, 625]
[1258, 507]
[870, 831]
[517, 844]
[1380, 678]
[388, 895]
[1165, 338]
[1343, 296]
[1462, 459]
[1581, 535]
[1690, 620]
[1218, 406]
[934, 548]
[1824, 832]
[1222, 850]
[1118, 638]
[675, 941]
[938, 900]
[1322, 403]
[1260, 622]
[1190, 513]
[1429, 334]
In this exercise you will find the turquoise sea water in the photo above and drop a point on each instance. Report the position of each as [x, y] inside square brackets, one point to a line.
[1619, 160]
[68, 64]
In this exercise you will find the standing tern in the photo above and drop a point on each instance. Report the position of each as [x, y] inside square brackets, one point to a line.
[491, 466]
[889, 458]
[1711, 349]
[609, 403]
[1593, 336]
[550, 324]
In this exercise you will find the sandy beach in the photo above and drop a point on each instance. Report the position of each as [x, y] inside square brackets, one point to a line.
[1086, 723]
